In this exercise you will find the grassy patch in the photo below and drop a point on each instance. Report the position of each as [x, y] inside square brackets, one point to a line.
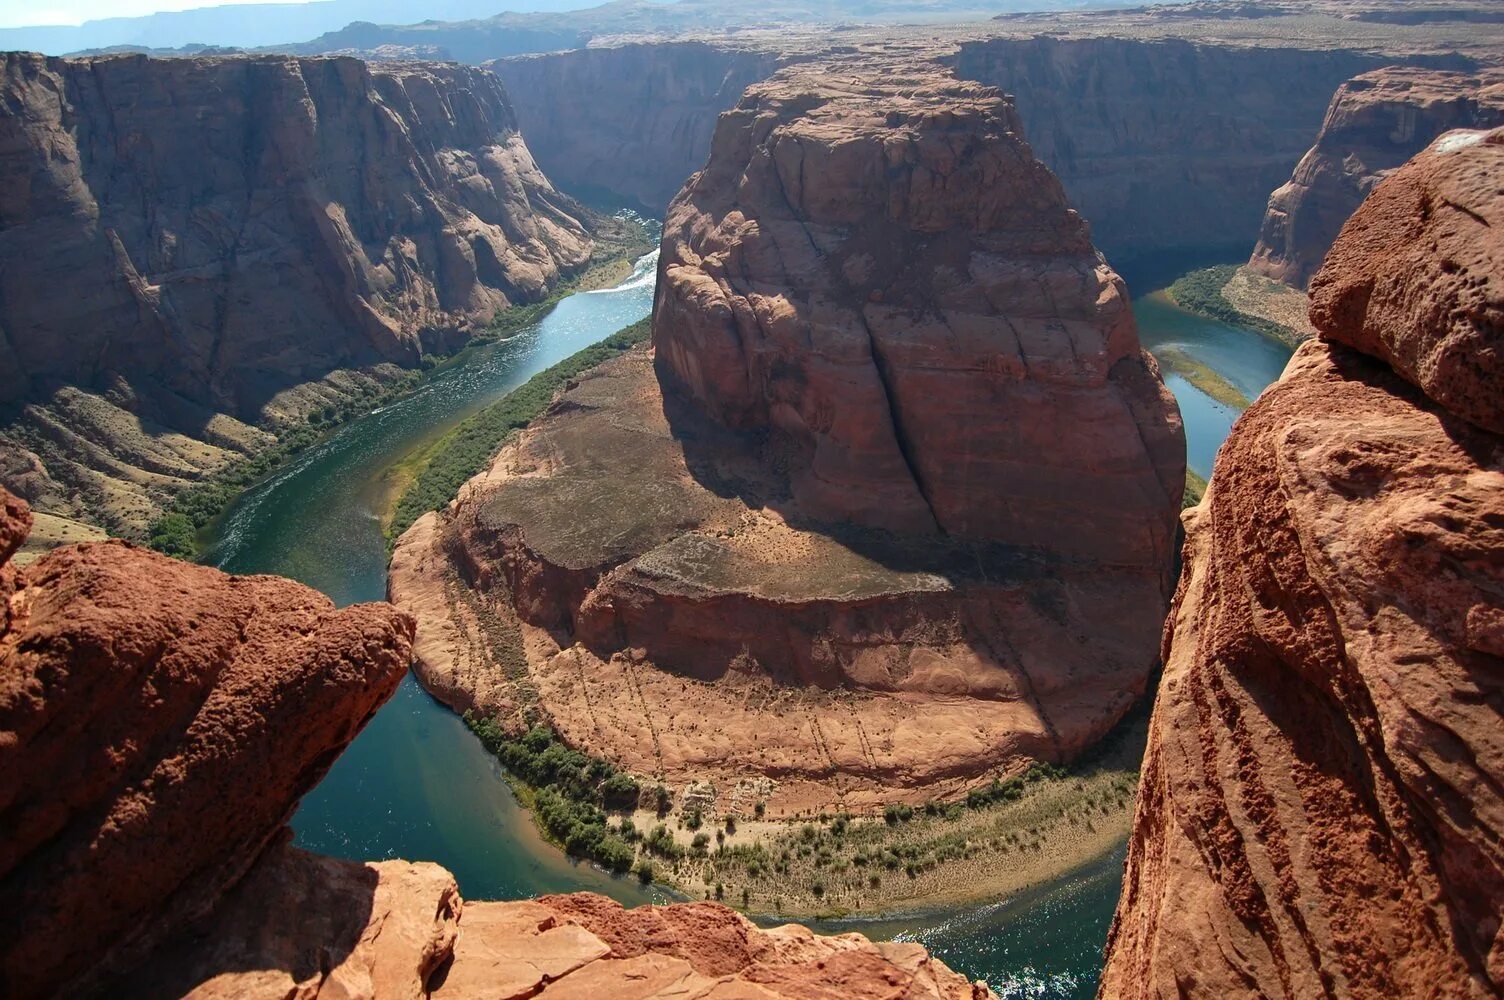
[447, 464]
[1201, 292]
[567, 791]
[1195, 489]
[177, 531]
[1202, 376]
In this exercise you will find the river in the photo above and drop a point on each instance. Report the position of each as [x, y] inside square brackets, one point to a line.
[415, 784]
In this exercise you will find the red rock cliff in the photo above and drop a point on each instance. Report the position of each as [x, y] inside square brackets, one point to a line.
[883, 274]
[1375, 123]
[219, 229]
[1320, 806]
[158, 724]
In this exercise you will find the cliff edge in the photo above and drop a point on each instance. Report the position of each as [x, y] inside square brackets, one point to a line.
[1320, 803]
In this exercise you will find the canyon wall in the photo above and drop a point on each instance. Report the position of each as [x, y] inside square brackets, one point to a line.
[1162, 144]
[1320, 803]
[897, 480]
[182, 240]
[1375, 123]
[159, 723]
[633, 120]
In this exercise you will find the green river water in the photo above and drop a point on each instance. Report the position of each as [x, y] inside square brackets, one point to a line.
[417, 785]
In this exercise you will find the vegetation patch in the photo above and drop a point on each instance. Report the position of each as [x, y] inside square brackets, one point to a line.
[177, 531]
[1202, 376]
[1195, 489]
[569, 792]
[464, 452]
[1201, 292]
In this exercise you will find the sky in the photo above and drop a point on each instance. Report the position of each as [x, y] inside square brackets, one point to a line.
[23, 13]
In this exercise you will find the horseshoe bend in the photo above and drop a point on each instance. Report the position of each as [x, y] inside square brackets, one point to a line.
[894, 479]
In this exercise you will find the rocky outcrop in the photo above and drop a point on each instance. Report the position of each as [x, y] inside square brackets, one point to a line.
[883, 275]
[633, 120]
[1375, 123]
[316, 927]
[1418, 281]
[183, 240]
[158, 724]
[902, 485]
[1320, 803]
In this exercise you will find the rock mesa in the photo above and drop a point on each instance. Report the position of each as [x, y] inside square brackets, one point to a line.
[1320, 803]
[897, 481]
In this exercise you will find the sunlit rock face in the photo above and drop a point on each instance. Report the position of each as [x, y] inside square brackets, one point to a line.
[1320, 803]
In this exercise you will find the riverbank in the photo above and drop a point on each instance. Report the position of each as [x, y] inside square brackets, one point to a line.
[1001, 839]
[188, 519]
[1231, 294]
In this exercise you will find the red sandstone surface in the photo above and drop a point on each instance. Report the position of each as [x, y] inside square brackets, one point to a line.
[158, 724]
[1320, 804]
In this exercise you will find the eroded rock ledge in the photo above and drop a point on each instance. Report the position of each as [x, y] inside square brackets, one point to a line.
[897, 482]
[1320, 806]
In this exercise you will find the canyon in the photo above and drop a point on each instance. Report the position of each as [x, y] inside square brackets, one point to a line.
[160, 723]
[1319, 805]
[768, 521]
[262, 238]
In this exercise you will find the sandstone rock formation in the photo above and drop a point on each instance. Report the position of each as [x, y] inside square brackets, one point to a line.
[1376, 122]
[1418, 281]
[1320, 804]
[883, 274]
[905, 493]
[183, 239]
[158, 723]
[316, 927]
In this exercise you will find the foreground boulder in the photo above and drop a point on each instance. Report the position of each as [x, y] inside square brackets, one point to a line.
[896, 482]
[1320, 806]
[158, 724]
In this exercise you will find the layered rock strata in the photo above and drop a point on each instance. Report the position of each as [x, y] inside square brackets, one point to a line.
[183, 240]
[634, 120]
[897, 482]
[158, 723]
[1375, 123]
[1320, 803]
